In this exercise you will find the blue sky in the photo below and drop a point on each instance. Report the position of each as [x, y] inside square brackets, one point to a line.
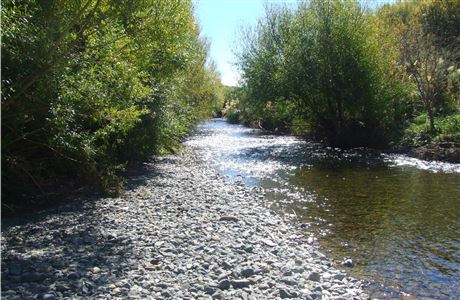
[221, 21]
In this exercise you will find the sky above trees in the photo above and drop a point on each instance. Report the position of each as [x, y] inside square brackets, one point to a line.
[221, 21]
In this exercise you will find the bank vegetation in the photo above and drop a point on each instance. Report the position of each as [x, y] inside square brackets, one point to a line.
[353, 76]
[89, 86]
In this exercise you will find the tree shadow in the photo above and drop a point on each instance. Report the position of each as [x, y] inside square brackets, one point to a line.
[66, 250]
[75, 249]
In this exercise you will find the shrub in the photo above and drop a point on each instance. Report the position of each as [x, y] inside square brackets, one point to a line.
[90, 86]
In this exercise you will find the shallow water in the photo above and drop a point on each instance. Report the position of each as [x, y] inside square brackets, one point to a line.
[397, 217]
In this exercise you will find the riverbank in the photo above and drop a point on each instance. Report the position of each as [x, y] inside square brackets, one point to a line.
[446, 150]
[180, 231]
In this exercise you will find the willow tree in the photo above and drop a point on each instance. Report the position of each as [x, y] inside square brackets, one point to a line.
[89, 85]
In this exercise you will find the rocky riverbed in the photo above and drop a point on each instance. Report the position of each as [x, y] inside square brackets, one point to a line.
[179, 231]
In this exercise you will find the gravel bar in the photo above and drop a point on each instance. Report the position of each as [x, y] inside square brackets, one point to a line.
[179, 232]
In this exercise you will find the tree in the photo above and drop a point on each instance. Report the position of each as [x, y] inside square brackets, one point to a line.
[89, 86]
[427, 67]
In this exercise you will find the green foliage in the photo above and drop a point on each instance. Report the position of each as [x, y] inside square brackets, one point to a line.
[448, 128]
[426, 33]
[418, 133]
[442, 18]
[89, 86]
[321, 64]
[348, 75]
[231, 106]
[232, 112]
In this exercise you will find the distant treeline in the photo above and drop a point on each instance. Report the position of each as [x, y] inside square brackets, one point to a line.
[91, 85]
[352, 76]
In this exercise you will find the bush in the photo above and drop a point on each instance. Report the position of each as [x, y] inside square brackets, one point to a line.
[322, 63]
[448, 128]
[231, 112]
[351, 76]
[419, 134]
[90, 86]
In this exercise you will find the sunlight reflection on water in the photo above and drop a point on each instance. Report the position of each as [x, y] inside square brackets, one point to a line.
[398, 217]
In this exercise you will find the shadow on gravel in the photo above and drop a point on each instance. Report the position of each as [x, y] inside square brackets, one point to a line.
[140, 174]
[63, 252]
[79, 248]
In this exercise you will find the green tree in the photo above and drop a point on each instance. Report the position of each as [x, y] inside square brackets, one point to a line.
[89, 86]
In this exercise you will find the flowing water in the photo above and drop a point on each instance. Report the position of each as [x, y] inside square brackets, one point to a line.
[398, 218]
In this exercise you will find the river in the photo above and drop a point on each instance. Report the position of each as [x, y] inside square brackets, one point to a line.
[396, 217]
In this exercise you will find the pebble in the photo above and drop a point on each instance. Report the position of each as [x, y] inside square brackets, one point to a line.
[240, 283]
[247, 272]
[32, 277]
[229, 218]
[49, 297]
[314, 276]
[286, 293]
[224, 284]
[348, 262]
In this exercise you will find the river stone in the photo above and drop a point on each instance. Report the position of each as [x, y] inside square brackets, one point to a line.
[33, 277]
[166, 294]
[269, 243]
[49, 297]
[348, 262]
[247, 272]
[226, 265]
[229, 218]
[218, 295]
[209, 290]
[73, 276]
[15, 270]
[289, 281]
[316, 295]
[339, 277]
[162, 285]
[248, 248]
[224, 284]
[314, 276]
[286, 293]
[240, 283]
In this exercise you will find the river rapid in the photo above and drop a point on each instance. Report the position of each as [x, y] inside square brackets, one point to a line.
[396, 217]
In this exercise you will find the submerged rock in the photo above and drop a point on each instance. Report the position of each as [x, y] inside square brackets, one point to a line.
[348, 262]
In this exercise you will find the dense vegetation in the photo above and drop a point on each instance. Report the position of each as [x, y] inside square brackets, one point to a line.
[352, 76]
[91, 85]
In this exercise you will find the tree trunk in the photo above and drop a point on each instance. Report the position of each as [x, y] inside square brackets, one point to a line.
[431, 118]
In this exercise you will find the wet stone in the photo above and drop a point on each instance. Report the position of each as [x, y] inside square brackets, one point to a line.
[15, 270]
[348, 262]
[339, 277]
